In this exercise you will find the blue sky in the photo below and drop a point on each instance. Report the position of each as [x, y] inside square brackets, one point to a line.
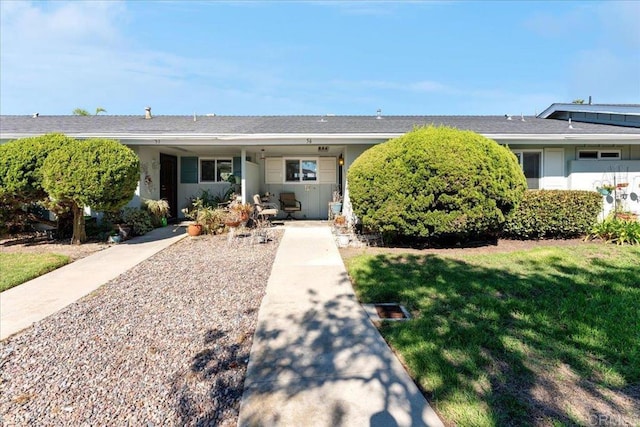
[271, 58]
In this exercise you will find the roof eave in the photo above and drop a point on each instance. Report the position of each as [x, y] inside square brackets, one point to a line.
[297, 138]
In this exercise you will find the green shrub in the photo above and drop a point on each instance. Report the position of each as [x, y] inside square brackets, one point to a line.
[138, 219]
[213, 200]
[99, 173]
[618, 231]
[21, 162]
[556, 214]
[158, 209]
[211, 219]
[436, 183]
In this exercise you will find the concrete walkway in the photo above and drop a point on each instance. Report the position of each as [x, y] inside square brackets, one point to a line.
[36, 299]
[316, 358]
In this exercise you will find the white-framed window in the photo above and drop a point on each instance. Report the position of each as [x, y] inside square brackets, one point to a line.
[215, 170]
[531, 163]
[321, 170]
[301, 169]
[590, 154]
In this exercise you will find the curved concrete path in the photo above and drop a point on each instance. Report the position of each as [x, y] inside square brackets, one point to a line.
[316, 358]
[36, 299]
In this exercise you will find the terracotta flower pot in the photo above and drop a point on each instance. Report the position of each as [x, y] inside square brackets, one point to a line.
[194, 229]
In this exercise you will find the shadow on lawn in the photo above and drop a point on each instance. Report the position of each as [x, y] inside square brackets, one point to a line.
[526, 341]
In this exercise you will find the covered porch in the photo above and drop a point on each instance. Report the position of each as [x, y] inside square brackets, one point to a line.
[181, 172]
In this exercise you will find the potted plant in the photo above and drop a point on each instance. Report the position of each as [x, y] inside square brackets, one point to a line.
[115, 237]
[605, 189]
[195, 228]
[159, 210]
[626, 216]
[336, 203]
[241, 210]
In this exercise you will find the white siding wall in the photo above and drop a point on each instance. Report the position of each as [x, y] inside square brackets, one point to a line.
[589, 174]
[149, 164]
[351, 154]
[252, 178]
[553, 174]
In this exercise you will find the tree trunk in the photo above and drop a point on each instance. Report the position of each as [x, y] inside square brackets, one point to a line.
[79, 232]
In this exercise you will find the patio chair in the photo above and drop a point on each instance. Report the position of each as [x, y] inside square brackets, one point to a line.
[263, 211]
[289, 204]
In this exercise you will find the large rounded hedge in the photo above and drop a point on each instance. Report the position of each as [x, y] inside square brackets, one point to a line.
[436, 183]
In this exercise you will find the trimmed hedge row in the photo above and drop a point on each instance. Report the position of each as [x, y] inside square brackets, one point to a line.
[555, 214]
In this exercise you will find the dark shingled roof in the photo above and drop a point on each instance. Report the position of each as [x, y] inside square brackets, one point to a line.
[249, 125]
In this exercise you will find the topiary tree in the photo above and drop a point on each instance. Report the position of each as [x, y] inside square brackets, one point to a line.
[21, 163]
[99, 173]
[436, 183]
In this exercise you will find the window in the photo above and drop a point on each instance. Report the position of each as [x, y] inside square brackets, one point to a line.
[224, 170]
[584, 155]
[531, 163]
[301, 170]
[609, 154]
[215, 170]
[598, 154]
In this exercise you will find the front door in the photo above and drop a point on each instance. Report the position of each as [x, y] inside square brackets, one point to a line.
[169, 182]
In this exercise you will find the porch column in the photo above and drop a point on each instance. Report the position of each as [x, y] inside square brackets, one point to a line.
[243, 174]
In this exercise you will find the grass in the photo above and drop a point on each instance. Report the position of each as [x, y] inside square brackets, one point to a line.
[17, 268]
[491, 331]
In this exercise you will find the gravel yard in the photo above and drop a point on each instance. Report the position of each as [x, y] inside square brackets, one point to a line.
[166, 343]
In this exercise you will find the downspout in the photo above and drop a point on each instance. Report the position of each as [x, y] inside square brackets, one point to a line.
[243, 174]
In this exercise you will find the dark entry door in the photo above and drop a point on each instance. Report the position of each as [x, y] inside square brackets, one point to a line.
[169, 182]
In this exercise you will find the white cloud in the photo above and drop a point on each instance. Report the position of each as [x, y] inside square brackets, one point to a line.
[73, 22]
[59, 56]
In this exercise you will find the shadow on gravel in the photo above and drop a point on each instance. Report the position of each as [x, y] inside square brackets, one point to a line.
[221, 368]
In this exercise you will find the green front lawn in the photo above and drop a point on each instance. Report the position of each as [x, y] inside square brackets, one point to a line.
[530, 337]
[17, 268]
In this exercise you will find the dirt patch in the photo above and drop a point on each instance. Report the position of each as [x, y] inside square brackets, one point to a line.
[502, 246]
[561, 391]
[30, 243]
